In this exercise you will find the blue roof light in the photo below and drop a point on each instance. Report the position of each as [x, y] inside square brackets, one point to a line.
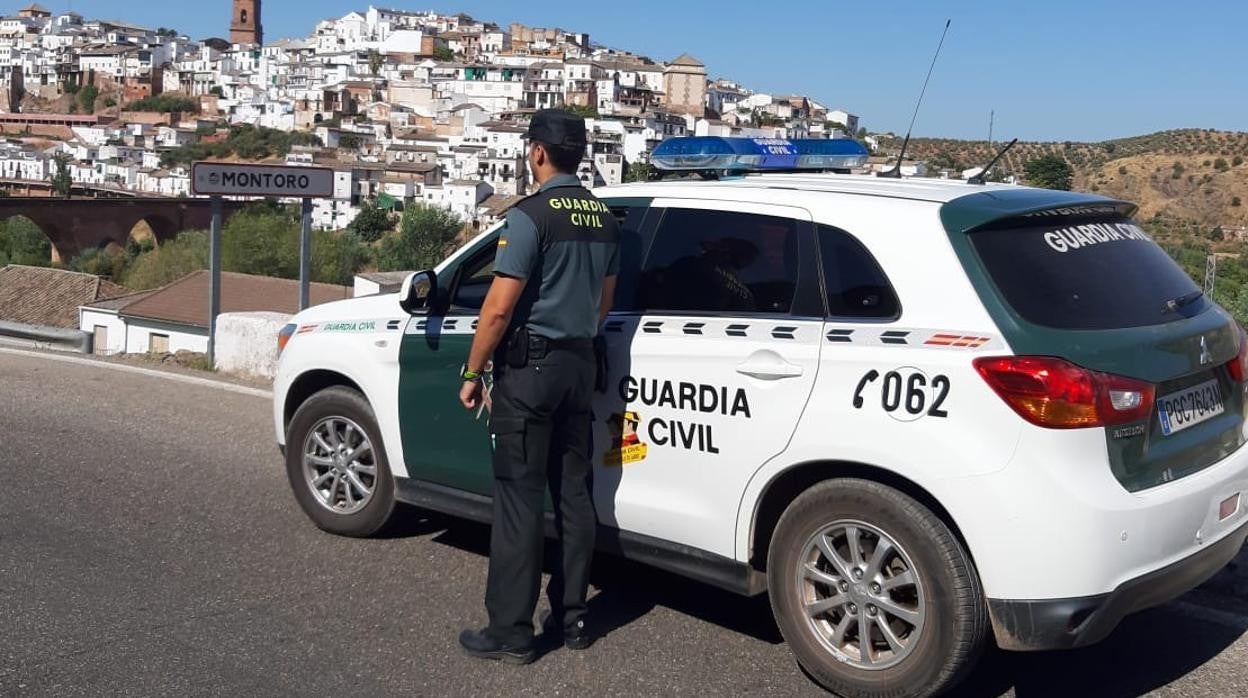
[757, 154]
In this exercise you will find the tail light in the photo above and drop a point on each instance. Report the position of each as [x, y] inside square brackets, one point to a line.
[283, 337]
[1053, 393]
[1238, 366]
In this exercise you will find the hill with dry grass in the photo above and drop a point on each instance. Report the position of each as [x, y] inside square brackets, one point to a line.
[1196, 177]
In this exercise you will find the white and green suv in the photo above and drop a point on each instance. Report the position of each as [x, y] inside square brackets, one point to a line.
[921, 415]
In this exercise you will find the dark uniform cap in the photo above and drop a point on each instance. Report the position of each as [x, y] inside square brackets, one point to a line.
[558, 127]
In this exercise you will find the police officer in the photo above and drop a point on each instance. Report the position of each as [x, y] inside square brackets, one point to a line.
[554, 279]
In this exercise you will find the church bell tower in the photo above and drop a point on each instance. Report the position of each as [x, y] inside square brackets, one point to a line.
[245, 24]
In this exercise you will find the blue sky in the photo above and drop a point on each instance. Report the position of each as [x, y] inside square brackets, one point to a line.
[1051, 69]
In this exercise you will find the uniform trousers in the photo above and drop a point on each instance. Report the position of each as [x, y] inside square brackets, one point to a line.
[541, 426]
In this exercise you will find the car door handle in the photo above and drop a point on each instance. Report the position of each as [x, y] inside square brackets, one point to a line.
[768, 366]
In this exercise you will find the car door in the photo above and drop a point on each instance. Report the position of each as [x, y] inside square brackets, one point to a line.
[709, 370]
[442, 442]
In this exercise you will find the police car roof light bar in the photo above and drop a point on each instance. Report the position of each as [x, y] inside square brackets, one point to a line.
[717, 154]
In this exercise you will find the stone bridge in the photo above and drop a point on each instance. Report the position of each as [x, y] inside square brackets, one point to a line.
[75, 225]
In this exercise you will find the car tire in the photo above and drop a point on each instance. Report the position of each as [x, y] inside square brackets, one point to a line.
[342, 486]
[920, 603]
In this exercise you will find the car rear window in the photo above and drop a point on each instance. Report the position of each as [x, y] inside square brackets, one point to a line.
[1081, 274]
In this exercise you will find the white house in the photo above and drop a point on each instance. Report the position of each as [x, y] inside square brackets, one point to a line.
[172, 318]
[372, 283]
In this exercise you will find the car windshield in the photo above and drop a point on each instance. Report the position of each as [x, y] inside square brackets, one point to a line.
[1076, 274]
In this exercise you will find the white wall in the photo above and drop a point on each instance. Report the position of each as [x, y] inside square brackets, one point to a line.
[364, 287]
[181, 337]
[247, 342]
[89, 319]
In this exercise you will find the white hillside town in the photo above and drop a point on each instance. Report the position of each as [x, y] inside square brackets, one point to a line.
[404, 106]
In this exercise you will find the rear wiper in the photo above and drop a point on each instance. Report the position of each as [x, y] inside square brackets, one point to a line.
[1187, 299]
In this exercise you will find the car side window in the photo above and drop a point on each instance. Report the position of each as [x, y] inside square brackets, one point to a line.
[856, 286]
[630, 218]
[474, 278]
[721, 262]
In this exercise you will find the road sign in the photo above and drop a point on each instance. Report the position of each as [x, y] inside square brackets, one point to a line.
[234, 179]
[218, 179]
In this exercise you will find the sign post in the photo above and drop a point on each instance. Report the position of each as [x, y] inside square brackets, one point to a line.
[305, 252]
[218, 179]
[214, 279]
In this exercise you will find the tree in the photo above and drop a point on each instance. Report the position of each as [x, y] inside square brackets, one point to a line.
[108, 262]
[862, 132]
[164, 103]
[171, 261]
[375, 61]
[372, 223]
[350, 141]
[262, 239]
[1220, 165]
[62, 178]
[426, 235]
[1217, 235]
[1240, 308]
[639, 172]
[21, 242]
[86, 98]
[583, 111]
[1049, 172]
[444, 54]
[337, 256]
[945, 161]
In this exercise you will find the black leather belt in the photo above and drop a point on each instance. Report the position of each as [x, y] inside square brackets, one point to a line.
[542, 344]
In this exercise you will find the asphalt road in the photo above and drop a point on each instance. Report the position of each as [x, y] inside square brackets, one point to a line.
[149, 545]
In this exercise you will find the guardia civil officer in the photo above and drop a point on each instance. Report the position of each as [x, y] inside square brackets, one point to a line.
[554, 279]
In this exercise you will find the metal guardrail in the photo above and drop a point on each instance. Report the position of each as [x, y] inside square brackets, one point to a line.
[42, 337]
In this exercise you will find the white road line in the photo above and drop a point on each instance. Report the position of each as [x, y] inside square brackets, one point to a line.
[193, 380]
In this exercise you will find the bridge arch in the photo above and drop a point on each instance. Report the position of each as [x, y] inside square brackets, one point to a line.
[15, 227]
[75, 225]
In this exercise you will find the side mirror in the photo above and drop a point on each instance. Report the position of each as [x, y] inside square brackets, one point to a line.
[420, 291]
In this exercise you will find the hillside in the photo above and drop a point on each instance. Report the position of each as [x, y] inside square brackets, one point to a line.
[1195, 176]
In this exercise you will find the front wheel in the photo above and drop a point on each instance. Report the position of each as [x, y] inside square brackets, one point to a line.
[337, 466]
[874, 594]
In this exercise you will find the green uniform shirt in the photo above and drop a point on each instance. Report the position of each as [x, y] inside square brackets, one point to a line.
[564, 242]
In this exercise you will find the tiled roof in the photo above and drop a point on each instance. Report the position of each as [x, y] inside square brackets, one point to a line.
[185, 301]
[497, 204]
[51, 297]
[120, 301]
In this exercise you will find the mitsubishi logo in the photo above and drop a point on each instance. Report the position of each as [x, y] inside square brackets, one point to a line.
[1206, 358]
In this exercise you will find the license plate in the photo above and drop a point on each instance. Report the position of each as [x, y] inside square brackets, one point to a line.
[1189, 407]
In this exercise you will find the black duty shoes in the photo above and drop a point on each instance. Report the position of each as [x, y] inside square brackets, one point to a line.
[477, 643]
[576, 637]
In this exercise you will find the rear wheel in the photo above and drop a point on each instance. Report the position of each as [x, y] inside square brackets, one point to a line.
[337, 466]
[874, 594]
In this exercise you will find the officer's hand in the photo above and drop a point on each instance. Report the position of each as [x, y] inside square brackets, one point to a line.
[470, 394]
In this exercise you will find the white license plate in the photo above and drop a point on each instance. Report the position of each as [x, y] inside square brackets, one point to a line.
[1189, 407]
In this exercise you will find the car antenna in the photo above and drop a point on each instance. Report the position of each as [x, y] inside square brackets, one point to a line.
[896, 171]
[979, 178]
